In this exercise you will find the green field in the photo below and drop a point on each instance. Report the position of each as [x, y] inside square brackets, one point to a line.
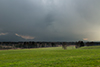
[51, 57]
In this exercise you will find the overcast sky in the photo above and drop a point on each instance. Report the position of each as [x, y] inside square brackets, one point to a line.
[49, 20]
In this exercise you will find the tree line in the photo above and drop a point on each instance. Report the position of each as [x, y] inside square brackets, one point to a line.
[32, 44]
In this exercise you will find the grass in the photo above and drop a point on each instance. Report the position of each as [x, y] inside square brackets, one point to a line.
[51, 57]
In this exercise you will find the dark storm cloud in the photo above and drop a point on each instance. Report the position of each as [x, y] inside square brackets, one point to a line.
[49, 20]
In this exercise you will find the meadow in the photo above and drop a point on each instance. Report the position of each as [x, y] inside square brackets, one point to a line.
[51, 57]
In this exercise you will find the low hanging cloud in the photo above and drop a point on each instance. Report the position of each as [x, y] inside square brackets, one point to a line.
[50, 20]
[3, 34]
[24, 37]
[85, 38]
